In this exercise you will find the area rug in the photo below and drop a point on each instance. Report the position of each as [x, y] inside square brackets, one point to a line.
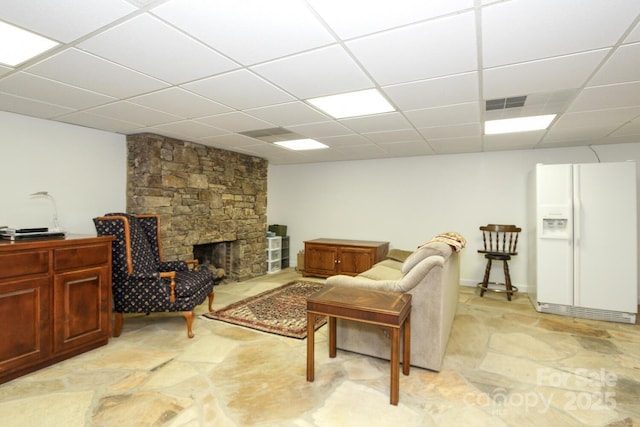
[281, 311]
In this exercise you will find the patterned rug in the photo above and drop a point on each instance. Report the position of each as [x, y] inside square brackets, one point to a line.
[281, 311]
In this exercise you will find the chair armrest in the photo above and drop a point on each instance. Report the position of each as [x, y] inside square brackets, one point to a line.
[171, 275]
[193, 264]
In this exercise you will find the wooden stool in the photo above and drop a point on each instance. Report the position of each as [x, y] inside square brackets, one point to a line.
[500, 244]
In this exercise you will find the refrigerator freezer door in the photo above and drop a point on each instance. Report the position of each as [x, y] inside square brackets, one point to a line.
[605, 236]
[554, 244]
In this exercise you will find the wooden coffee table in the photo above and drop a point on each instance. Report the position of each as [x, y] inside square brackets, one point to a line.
[391, 309]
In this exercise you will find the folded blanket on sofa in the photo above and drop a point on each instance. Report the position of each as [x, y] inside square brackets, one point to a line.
[451, 238]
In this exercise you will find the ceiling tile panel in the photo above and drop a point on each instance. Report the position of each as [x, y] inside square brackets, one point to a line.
[89, 72]
[356, 18]
[235, 122]
[240, 89]
[320, 72]
[431, 49]
[393, 136]
[609, 96]
[190, 128]
[547, 75]
[181, 103]
[631, 128]
[52, 92]
[128, 111]
[520, 31]
[319, 130]
[341, 140]
[456, 89]
[99, 122]
[288, 114]
[65, 20]
[634, 35]
[468, 144]
[274, 28]
[623, 66]
[20, 105]
[5, 70]
[149, 43]
[513, 141]
[377, 123]
[445, 116]
[439, 132]
[594, 123]
[407, 148]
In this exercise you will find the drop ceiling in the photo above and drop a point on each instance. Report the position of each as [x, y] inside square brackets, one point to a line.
[211, 72]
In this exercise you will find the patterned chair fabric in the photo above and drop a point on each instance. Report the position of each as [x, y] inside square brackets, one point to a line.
[137, 267]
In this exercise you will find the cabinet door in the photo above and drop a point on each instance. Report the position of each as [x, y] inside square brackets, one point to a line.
[320, 260]
[81, 308]
[24, 316]
[353, 261]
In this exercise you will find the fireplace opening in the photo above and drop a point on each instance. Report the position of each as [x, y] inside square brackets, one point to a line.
[219, 255]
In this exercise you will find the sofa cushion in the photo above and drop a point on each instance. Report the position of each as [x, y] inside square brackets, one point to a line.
[384, 270]
[427, 250]
[399, 254]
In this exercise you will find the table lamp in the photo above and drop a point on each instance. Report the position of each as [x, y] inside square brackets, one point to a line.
[46, 194]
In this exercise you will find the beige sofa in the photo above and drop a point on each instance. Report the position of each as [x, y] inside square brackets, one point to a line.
[431, 275]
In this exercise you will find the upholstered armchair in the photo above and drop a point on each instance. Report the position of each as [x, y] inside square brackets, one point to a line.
[142, 282]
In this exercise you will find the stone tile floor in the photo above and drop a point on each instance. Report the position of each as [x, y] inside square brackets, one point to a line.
[506, 365]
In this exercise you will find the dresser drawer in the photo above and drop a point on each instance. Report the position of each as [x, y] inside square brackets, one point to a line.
[80, 256]
[23, 263]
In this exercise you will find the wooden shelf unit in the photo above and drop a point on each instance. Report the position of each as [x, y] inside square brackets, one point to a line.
[55, 301]
[328, 257]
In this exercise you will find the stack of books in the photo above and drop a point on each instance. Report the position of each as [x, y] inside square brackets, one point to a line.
[29, 233]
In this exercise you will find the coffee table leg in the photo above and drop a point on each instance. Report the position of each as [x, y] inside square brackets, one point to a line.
[395, 365]
[332, 336]
[311, 320]
[406, 345]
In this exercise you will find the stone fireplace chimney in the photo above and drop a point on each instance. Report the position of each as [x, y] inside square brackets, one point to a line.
[203, 195]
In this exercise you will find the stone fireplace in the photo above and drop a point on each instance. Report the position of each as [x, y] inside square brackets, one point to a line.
[204, 196]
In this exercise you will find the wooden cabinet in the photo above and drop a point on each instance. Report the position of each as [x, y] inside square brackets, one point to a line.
[55, 301]
[328, 257]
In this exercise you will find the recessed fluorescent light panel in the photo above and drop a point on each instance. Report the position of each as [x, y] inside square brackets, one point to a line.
[19, 45]
[301, 144]
[352, 104]
[518, 124]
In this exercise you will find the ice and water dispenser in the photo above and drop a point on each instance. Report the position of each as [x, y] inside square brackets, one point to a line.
[555, 222]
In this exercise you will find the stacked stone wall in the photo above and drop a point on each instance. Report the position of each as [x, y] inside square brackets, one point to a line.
[202, 194]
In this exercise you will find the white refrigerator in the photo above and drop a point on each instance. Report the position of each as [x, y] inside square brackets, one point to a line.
[582, 240]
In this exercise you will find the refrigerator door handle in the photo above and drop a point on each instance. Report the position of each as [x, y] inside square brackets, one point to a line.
[577, 227]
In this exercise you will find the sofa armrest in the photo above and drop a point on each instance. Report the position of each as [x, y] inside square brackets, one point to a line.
[363, 282]
[408, 282]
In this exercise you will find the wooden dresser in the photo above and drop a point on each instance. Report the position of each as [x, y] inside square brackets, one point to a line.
[55, 301]
[328, 257]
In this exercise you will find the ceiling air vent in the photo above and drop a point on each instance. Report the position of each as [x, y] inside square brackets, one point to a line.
[272, 135]
[504, 103]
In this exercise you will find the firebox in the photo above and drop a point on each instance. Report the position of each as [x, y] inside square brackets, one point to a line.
[219, 255]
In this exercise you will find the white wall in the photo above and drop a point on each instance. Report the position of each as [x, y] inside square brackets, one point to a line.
[83, 169]
[406, 201]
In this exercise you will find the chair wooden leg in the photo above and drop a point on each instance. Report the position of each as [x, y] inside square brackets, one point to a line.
[211, 296]
[188, 316]
[507, 280]
[117, 328]
[485, 280]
